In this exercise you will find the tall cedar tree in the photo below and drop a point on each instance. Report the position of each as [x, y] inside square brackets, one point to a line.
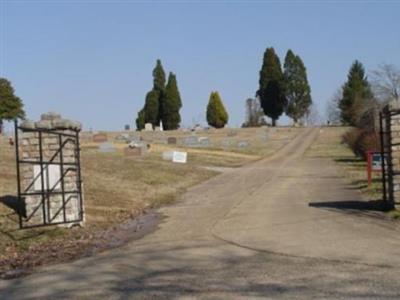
[271, 90]
[356, 95]
[140, 120]
[171, 104]
[216, 113]
[11, 106]
[297, 89]
[152, 110]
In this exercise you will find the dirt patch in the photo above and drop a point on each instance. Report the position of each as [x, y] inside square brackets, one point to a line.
[89, 244]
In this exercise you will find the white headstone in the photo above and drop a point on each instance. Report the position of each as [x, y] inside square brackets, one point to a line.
[148, 127]
[179, 157]
[161, 126]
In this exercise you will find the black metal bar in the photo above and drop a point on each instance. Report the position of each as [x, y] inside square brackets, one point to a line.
[45, 163]
[41, 225]
[60, 143]
[47, 191]
[18, 172]
[42, 177]
[63, 209]
[79, 179]
[389, 187]
[382, 157]
[32, 213]
[55, 193]
[47, 170]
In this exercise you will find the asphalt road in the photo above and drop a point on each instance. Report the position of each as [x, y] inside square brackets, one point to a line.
[284, 227]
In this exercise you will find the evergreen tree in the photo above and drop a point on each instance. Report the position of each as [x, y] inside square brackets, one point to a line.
[152, 110]
[158, 77]
[171, 104]
[297, 89]
[140, 120]
[356, 95]
[11, 106]
[216, 113]
[271, 91]
[159, 86]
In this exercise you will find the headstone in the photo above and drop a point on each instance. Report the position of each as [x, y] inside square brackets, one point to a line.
[191, 141]
[171, 140]
[86, 137]
[133, 138]
[139, 151]
[226, 143]
[243, 144]
[161, 126]
[100, 138]
[167, 155]
[127, 127]
[106, 147]
[204, 141]
[136, 144]
[179, 157]
[122, 137]
[148, 127]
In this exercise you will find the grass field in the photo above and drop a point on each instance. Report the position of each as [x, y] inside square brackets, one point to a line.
[354, 169]
[117, 188]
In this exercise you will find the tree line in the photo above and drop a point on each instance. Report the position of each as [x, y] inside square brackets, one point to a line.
[358, 102]
[359, 95]
[280, 90]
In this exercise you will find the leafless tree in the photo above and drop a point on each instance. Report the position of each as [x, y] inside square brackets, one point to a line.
[332, 108]
[254, 113]
[386, 83]
[312, 118]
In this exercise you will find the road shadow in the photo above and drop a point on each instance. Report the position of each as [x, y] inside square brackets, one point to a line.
[375, 205]
[14, 203]
[201, 270]
[348, 160]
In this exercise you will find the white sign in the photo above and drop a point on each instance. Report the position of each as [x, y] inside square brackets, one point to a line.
[179, 157]
[51, 177]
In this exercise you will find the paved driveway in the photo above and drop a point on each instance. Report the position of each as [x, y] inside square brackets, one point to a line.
[282, 227]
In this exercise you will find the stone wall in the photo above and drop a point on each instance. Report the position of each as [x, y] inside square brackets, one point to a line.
[391, 129]
[56, 164]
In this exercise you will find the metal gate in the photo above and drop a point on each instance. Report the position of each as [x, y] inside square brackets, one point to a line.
[388, 172]
[46, 212]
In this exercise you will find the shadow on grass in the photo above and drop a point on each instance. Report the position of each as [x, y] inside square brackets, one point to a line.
[13, 203]
[348, 160]
[376, 205]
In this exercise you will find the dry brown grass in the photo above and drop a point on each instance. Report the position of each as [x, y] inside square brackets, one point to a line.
[329, 145]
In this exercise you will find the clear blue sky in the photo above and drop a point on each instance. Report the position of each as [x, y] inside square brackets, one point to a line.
[92, 60]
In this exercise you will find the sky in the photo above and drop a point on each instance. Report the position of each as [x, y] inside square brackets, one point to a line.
[92, 61]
